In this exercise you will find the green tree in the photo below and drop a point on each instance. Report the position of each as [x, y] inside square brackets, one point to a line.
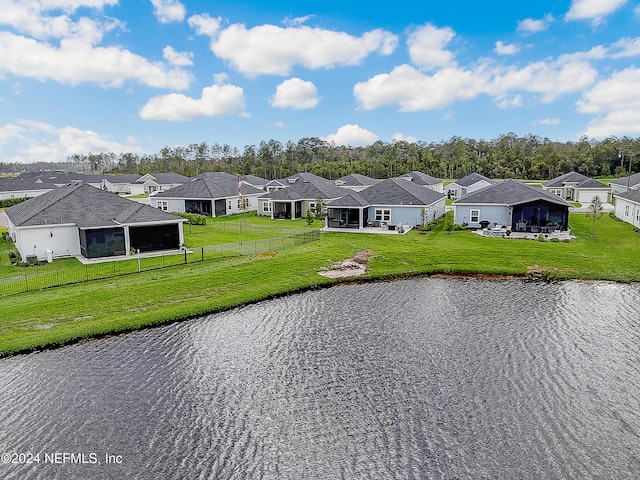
[594, 213]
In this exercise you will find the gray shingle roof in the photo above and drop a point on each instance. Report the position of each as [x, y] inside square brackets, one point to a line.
[634, 181]
[350, 200]
[84, 206]
[581, 181]
[473, 178]
[633, 195]
[356, 180]
[307, 187]
[165, 178]
[253, 180]
[210, 185]
[397, 191]
[420, 178]
[509, 192]
[14, 184]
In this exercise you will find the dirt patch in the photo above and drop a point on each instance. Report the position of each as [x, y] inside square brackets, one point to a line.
[351, 267]
[263, 256]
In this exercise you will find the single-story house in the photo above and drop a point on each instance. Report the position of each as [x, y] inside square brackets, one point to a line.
[394, 201]
[425, 180]
[121, 183]
[151, 183]
[627, 207]
[81, 220]
[13, 187]
[301, 195]
[213, 194]
[576, 187]
[622, 184]
[468, 184]
[254, 181]
[515, 205]
[355, 182]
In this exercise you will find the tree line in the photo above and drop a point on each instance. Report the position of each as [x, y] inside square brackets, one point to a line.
[527, 157]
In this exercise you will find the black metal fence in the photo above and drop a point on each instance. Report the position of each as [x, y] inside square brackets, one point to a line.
[95, 271]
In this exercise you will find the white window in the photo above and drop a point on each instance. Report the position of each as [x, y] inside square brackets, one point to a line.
[229, 206]
[162, 205]
[312, 206]
[626, 210]
[266, 207]
[474, 216]
[383, 215]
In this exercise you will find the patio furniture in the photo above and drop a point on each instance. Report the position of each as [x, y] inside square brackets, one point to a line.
[521, 226]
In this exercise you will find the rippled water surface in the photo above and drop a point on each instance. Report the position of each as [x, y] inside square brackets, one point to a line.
[425, 378]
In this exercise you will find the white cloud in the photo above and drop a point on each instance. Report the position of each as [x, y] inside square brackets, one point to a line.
[31, 17]
[594, 10]
[352, 135]
[530, 25]
[216, 100]
[42, 142]
[181, 59]
[293, 22]
[551, 80]
[427, 46]
[280, 124]
[167, 11]
[413, 90]
[205, 25]
[273, 50]
[506, 49]
[107, 66]
[511, 102]
[398, 137]
[617, 102]
[295, 93]
[547, 121]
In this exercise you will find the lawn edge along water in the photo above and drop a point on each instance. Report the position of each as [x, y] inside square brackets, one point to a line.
[65, 315]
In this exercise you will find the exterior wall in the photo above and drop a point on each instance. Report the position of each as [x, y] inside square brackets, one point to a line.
[62, 240]
[233, 207]
[173, 204]
[587, 196]
[22, 193]
[410, 215]
[500, 214]
[262, 209]
[628, 211]
[437, 187]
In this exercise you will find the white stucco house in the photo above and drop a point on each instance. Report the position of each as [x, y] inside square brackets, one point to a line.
[84, 221]
[424, 180]
[392, 202]
[627, 207]
[576, 187]
[355, 182]
[13, 187]
[623, 184]
[213, 194]
[468, 184]
[300, 195]
[515, 205]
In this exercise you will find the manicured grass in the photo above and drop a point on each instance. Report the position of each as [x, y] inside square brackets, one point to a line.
[65, 314]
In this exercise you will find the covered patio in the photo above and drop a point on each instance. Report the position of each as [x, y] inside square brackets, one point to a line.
[539, 217]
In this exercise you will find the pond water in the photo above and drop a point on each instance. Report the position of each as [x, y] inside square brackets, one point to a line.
[423, 378]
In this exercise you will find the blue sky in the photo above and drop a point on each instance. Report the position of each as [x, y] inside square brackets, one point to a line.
[80, 76]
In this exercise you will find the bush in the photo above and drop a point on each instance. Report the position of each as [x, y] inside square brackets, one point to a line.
[540, 238]
[10, 202]
[555, 240]
[193, 218]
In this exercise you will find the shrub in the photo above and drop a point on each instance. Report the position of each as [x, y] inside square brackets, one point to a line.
[192, 218]
[540, 238]
[555, 240]
[10, 202]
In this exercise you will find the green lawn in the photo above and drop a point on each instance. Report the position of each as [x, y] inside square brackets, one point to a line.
[60, 315]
